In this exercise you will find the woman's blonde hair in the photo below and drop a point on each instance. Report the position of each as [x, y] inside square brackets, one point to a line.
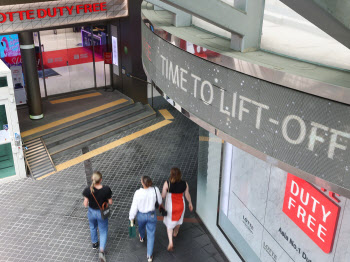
[96, 179]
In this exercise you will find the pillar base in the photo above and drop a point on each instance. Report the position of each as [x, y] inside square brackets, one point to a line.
[36, 117]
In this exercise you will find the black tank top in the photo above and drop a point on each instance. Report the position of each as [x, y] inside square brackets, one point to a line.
[177, 187]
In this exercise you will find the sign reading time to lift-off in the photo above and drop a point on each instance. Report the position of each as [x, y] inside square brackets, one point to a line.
[41, 14]
[309, 133]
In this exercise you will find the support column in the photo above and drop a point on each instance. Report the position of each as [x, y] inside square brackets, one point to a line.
[31, 78]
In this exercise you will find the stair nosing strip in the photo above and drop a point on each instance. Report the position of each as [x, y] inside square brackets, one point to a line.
[39, 158]
[54, 153]
[43, 167]
[33, 155]
[45, 161]
[34, 152]
[49, 132]
[48, 142]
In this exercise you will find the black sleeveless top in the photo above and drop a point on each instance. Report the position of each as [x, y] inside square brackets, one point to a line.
[177, 187]
[102, 195]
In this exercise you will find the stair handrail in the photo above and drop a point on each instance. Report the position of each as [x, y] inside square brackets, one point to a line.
[24, 148]
[48, 154]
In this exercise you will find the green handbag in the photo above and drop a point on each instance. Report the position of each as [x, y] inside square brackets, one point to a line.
[132, 230]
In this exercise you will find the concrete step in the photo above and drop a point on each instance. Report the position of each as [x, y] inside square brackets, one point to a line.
[97, 134]
[98, 123]
[37, 158]
[75, 122]
[43, 172]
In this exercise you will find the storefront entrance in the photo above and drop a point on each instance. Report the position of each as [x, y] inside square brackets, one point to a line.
[72, 59]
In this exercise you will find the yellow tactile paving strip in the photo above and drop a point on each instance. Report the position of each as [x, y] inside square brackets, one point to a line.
[71, 118]
[166, 114]
[73, 98]
[210, 139]
[109, 146]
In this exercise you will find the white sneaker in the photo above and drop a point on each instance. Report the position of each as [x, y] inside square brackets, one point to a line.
[141, 239]
[150, 259]
[102, 257]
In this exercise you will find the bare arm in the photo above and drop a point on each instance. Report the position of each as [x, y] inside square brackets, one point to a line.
[165, 189]
[188, 197]
[110, 201]
[86, 202]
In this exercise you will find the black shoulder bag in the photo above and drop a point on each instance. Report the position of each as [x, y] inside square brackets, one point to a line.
[160, 207]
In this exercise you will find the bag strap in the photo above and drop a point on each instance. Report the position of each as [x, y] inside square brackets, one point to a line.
[95, 200]
[156, 194]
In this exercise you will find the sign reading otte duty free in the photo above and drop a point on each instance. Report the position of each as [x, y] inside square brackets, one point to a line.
[54, 13]
[304, 131]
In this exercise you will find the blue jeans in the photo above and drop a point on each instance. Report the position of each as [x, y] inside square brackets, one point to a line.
[95, 220]
[148, 221]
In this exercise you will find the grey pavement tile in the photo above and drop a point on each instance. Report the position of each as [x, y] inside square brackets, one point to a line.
[46, 221]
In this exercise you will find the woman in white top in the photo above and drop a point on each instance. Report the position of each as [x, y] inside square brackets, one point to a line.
[143, 206]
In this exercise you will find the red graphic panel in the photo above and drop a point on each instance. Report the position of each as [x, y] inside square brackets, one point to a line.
[72, 56]
[107, 56]
[311, 211]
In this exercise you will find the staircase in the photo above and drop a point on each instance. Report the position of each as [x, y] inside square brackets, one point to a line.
[38, 159]
[74, 136]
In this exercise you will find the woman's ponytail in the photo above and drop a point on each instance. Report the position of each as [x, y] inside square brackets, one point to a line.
[96, 179]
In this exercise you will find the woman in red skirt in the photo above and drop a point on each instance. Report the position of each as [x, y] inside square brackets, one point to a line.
[173, 191]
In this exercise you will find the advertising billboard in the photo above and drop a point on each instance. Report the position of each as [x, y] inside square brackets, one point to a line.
[280, 217]
[10, 54]
[9, 48]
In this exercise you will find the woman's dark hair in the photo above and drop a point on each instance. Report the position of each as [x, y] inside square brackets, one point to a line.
[147, 181]
[175, 175]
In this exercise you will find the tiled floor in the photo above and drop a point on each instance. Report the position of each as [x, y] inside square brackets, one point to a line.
[46, 221]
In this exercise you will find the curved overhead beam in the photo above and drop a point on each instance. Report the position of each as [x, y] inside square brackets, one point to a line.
[331, 16]
[247, 24]
[181, 18]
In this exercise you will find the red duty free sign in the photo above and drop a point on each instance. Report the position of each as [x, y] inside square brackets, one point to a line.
[311, 211]
[32, 14]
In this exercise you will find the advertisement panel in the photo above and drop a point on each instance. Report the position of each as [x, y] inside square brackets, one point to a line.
[281, 217]
[10, 54]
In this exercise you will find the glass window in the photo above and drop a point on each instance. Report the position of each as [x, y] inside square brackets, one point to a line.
[271, 215]
[100, 36]
[209, 165]
[286, 32]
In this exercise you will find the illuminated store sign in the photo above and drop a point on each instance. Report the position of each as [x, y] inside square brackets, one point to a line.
[55, 13]
[293, 127]
[278, 216]
[52, 12]
[311, 211]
